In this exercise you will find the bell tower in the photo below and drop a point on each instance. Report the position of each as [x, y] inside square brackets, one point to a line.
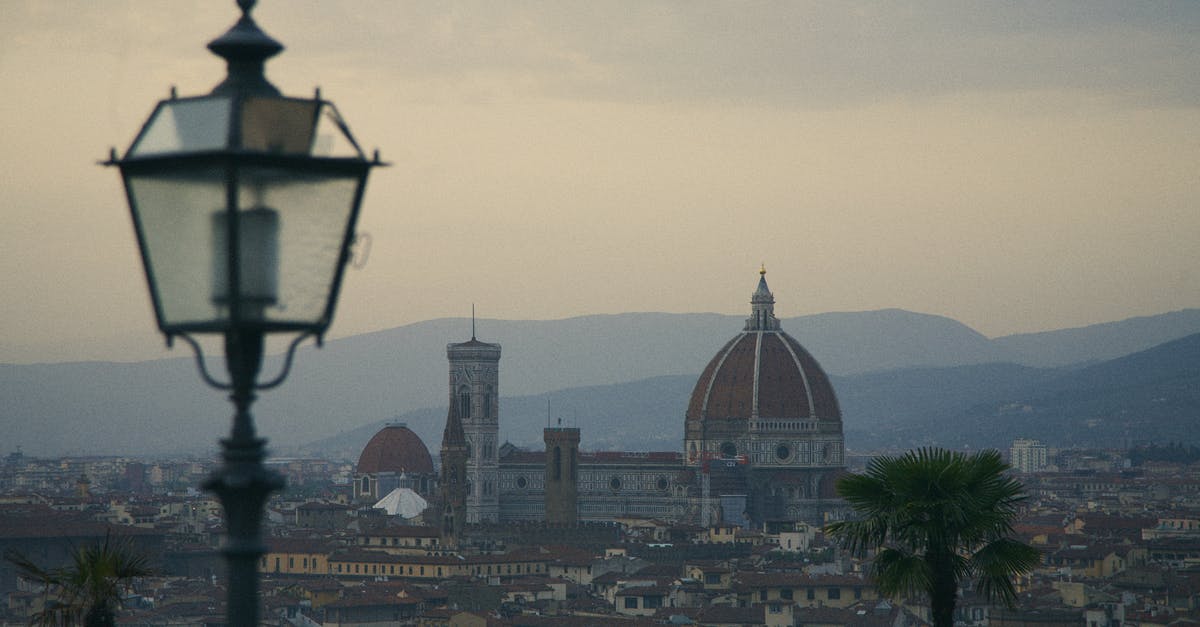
[475, 396]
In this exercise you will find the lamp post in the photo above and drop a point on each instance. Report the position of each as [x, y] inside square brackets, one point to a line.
[244, 203]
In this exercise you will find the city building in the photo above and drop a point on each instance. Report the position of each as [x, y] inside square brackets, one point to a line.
[1027, 455]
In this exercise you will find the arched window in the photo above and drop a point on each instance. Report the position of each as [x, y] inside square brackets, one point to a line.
[487, 402]
[464, 401]
[366, 486]
[556, 474]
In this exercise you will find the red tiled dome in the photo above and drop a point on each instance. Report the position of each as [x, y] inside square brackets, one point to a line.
[763, 373]
[771, 377]
[395, 449]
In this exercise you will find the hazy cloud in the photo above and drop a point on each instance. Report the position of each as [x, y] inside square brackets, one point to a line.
[794, 53]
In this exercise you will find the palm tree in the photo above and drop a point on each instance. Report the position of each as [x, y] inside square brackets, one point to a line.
[89, 590]
[937, 518]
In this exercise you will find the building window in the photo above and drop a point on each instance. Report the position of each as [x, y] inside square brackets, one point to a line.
[631, 603]
[651, 603]
[662, 483]
[522, 482]
[835, 594]
[811, 594]
[783, 452]
[728, 450]
[366, 486]
[786, 594]
[762, 595]
[487, 402]
[464, 401]
[615, 483]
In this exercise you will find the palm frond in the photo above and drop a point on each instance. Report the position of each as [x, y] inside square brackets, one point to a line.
[934, 514]
[899, 573]
[997, 562]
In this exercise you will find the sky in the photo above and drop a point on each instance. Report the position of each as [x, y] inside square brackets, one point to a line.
[1016, 166]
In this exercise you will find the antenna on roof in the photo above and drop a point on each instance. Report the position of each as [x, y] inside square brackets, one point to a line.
[472, 321]
[547, 411]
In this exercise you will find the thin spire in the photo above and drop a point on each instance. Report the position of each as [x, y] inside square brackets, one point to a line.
[472, 321]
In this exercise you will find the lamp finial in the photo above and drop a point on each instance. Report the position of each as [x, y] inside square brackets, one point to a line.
[245, 48]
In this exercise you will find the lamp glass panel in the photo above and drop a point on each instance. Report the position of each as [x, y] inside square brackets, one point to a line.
[278, 125]
[313, 212]
[174, 214]
[333, 138]
[257, 259]
[189, 125]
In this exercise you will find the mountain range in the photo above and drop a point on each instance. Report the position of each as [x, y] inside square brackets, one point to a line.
[623, 378]
[1149, 396]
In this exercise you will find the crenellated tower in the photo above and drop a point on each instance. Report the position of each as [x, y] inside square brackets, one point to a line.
[562, 475]
[475, 396]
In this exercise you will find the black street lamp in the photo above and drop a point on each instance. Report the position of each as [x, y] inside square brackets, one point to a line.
[244, 202]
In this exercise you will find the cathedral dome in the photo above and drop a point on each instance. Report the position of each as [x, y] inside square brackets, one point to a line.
[763, 374]
[395, 449]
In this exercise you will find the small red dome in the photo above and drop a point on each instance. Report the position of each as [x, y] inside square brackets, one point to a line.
[395, 449]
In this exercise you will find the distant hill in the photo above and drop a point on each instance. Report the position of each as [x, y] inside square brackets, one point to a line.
[1153, 395]
[642, 415]
[1149, 396]
[161, 407]
[1096, 342]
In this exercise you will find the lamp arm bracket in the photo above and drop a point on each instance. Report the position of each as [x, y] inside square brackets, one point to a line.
[199, 352]
[221, 385]
[287, 363]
